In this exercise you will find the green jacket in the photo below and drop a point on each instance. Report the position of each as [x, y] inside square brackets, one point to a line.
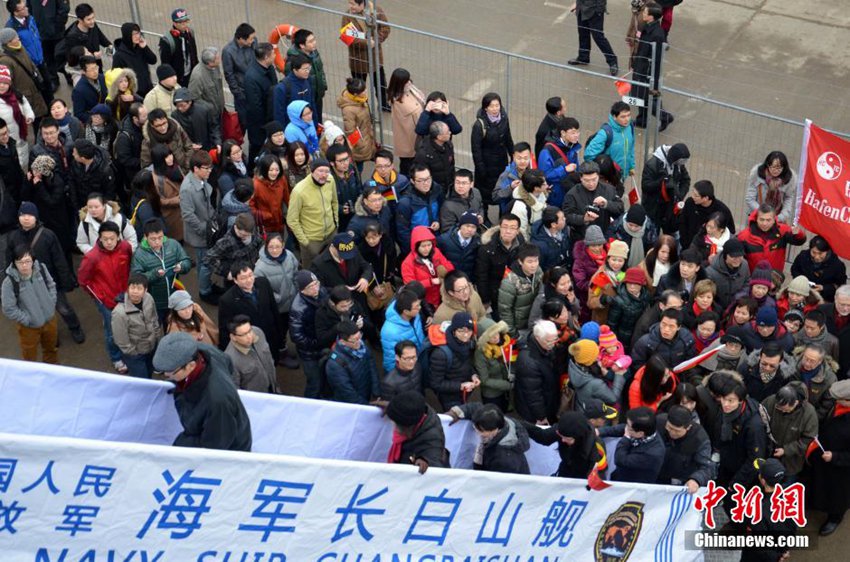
[793, 432]
[147, 262]
[516, 296]
[313, 212]
[317, 73]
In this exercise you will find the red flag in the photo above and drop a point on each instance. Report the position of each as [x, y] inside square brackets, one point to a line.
[595, 482]
[634, 193]
[825, 188]
[814, 445]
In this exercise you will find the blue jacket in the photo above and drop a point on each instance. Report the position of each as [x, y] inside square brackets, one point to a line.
[552, 165]
[462, 258]
[302, 324]
[353, 380]
[289, 90]
[637, 460]
[413, 210]
[30, 37]
[300, 130]
[552, 252]
[258, 82]
[622, 149]
[396, 329]
[85, 97]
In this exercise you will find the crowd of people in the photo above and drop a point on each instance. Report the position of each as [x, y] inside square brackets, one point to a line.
[524, 295]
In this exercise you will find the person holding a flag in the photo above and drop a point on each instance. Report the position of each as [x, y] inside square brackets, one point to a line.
[494, 359]
[580, 449]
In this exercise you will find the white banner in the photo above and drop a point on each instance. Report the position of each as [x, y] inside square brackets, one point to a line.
[72, 500]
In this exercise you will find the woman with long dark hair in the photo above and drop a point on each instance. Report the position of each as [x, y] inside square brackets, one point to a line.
[653, 384]
[167, 177]
[711, 237]
[773, 182]
[145, 201]
[232, 167]
[557, 285]
[492, 144]
[609, 173]
[407, 103]
[659, 259]
[297, 163]
[271, 194]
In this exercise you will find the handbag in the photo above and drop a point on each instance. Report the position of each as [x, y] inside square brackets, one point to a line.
[375, 302]
[230, 127]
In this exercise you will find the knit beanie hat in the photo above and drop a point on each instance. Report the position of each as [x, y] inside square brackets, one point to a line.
[303, 278]
[7, 35]
[766, 316]
[618, 249]
[273, 127]
[43, 165]
[28, 208]
[164, 71]
[101, 109]
[607, 338]
[636, 214]
[735, 334]
[407, 408]
[332, 131]
[319, 163]
[635, 275]
[461, 320]
[5, 75]
[178, 300]
[590, 331]
[793, 314]
[761, 277]
[468, 218]
[593, 236]
[584, 352]
[800, 285]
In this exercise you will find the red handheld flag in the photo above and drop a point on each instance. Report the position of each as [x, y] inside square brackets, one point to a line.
[595, 482]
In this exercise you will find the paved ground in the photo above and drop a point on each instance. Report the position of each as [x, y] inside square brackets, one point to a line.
[776, 56]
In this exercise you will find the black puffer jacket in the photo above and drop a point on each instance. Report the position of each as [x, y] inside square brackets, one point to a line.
[493, 258]
[428, 443]
[577, 460]
[831, 273]
[445, 377]
[492, 146]
[98, 178]
[744, 443]
[688, 458]
[673, 352]
[673, 280]
[537, 394]
[135, 58]
[395, 382]
[439, 159]
[210, 410]
[506, 451]
[128, 147]
[302, 324]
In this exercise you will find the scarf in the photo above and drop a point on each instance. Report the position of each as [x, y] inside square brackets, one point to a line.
[12, 101]
[492, 119]
[428, 264]
[703, 343]
[636, 253]
[840, 410]
[415, 93]
[727, 421]
[642, 440]
[163, 138]
[807, 376]
[201, 364]
[65, 125]
[358, 353]
[356, 98]
[716, 244]
[598, 259]
[399, 438]
[660, 270]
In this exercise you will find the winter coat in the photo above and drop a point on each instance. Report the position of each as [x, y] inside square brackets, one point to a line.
[496, 380]
[302, 325]
[328, 318]
[24, 74]
[577, 460]
[449, 368]
[103, 274]
[120, 108]
[318, 79]
[358, 50]
[428, 443]
[202, 124]
[228, 177]
[211, 413]
[416, 209]
[527, 208]
[299, 130]
[51, 16]
[128, 55]
[127, 147]
[176, 139]
[753, 340]
[547, 128]
[268, 203]
[313, 212]
[624, 311]
[831, 273]
[61, 154]
[843, 336]
[811, 302]
[258, 86]
[757, 194]
[493, 259]
[288, 90]
[99, 177]
[636, 398]
[728, 283]
[553, 165]
[622, 149]
[505, 452]
[29, 36]
[693, 217]
[356, 116]
[92, 39]
[747, 441]
[686, 458]
[149, 263]
[396, 329]
[362, 216]
[47, 251]
[817, 388]
[262, 310]
[793, 432]
[348, 189]
[7, 114]
[584, 268]
[205, 85]
[492, 146]
[352, 379]
[136, 328]
[414, 267]
[537, 395]
[34, 305]
[673, 352]
[440, 159]
[454, 206]
[638, 460]
[235, 61]
[228, 250]
[54, 206]
[206, 332]
[253, 367]
[281, 276]
[450, 306]
[383, 258]
[516, 295]
[396, 381]
[405, 114]
[232, 207]
[196, 209]
[771, 245]
[603, 287]
[575, 206]
[88, 229]
[330, 274]
[169, 200]
[673, 280]
[833, 493]
[177, 48]
[427, 117]
[553, 252]
[463, 258]
[663, 185]
[590, 386]
[392, 189]
[159, 97]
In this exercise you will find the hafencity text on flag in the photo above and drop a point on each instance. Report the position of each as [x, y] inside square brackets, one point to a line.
[823, 194]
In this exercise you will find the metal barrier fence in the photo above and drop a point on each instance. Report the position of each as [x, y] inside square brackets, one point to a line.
[725, 140]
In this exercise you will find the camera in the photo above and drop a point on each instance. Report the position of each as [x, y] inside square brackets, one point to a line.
[593, 209]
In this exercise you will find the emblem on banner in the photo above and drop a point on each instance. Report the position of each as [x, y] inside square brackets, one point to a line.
[618, 535]
[829, 166]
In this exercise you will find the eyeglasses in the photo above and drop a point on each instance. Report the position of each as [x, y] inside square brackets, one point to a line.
[463, 289]
[24, 261]
[407, 359]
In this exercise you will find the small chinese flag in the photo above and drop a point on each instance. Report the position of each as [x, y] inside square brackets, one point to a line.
[348, 33]
[634, 196]
[595, 482]
[178, 285]
[510, 351]
[813, 446]
[354, 137]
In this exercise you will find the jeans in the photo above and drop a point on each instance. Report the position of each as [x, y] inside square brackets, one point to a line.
[313, 374]
[66, 311]
[140, 366]
[111, 349]
[204, 280]
[593, 27]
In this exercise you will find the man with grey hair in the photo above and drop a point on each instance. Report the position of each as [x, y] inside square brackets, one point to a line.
[815, 370]
[438, 153]
[591, 201]
[205, 82]
[537, 392]
[838, 323]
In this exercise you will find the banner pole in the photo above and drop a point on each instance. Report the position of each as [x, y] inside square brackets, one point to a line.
[801, 173]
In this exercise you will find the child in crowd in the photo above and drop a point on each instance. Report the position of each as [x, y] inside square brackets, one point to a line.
[606, 281]
[612, 355]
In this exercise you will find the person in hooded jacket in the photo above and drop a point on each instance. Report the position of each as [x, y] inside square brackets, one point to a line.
[418, 437]
[578, 446]
[765, 371]
[798, 295]
[357, 121]
[301, 126]
[161, 259]
[135, 327]
[127, 146]
[729, 271]
[122, 92]
[49, 192]
[459, 295]
[503, 441]
[168, 177]
[821, 266]
[511, 176]
[687, 458]
[452, 375]
[132, 51]
[90, 172]
[537, 392]
[493, 363]
[426, 263]
[669, 338]
[492, 144]
[529, 200]
[460, 244]
[638, 231]
[403, 323]
[296, 85]
[620, 145]
[200, 121]
[665, 182]
[98, 210]
[271, 194]
[589, 255]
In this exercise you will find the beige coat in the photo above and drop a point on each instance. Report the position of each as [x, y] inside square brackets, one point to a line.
[208, 332]
[356, 116]
[358, 54]
[169, 197]
[450, 305]
[405, 115]
[23, 70]
[180, 145]
[161, 98]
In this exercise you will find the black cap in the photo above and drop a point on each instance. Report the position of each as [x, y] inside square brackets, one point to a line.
[771, 470]
[734, 334]
[595, 408]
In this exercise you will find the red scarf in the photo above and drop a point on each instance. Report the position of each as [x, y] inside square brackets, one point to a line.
[599, 259]
[201, 364]
[12, 100]
[399, 439]
[840, 410]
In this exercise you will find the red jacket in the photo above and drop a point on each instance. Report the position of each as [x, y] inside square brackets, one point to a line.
[771, 245]
[635, 399]
[414, 268]
[104, 274]
[268, 202]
